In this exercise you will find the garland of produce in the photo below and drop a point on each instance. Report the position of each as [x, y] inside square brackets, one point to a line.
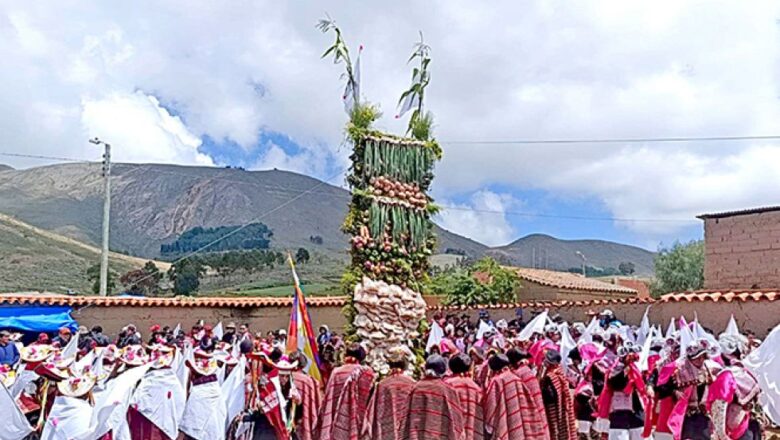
[389, 217]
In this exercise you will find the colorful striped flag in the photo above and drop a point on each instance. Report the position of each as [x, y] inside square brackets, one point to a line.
[300, 333]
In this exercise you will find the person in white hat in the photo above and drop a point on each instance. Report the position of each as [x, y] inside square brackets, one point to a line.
[157, 406]
[71, 413]
[205, 414]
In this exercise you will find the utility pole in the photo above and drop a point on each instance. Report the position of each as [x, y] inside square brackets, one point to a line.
[106, 214]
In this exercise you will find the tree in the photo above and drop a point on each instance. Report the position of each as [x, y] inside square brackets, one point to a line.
[144, 281]
[679, 268]
[626, 268]
[185, 275]
[485, 282]
[302, 256]
[93, 275]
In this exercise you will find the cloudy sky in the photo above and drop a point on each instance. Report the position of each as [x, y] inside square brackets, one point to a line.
[242, 83]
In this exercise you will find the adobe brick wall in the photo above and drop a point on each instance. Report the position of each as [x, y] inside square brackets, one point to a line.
[113, 318]
[742, 251]
[758, 316]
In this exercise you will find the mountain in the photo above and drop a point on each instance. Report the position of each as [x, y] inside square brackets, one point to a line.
[56, 263]
[4, 167]
[154, 204]
[557, 254]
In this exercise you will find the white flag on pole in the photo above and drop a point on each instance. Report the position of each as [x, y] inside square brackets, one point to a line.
[72, 348]
[435, 336]
[567, 344]
[218, 332]
[352, 91]
[535, 326]
[590, 330]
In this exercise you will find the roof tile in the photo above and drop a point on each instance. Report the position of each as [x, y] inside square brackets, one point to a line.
[567, 280]
[56, 299]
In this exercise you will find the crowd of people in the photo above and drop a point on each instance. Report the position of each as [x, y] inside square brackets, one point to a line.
[477, 379]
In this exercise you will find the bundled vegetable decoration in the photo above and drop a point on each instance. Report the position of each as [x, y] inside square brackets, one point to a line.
[390, 214]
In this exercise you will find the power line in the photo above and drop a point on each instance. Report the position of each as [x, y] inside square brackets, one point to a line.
[347, 196]
[447, 207]
[37, 156]
[616, 140]
[572, 217]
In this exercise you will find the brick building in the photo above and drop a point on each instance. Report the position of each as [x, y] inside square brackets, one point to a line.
[742, 249]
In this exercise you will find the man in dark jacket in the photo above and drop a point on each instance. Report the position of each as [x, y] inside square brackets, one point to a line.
[100, 339]
[9, 354]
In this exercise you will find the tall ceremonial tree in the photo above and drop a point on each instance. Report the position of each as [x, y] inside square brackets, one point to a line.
[389, 217]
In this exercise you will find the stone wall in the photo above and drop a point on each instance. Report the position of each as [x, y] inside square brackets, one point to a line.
[758, 316]
[742, 251]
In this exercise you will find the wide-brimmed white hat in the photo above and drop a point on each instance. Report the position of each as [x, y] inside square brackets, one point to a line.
[7, 376]
[35, 353]
[134, 356]
[50, 370]
[77, 385]
[62, 362]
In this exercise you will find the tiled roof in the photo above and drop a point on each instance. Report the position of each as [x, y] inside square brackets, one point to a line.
[740, 212]
[339, 301]
[723, 295]
[567, 280]
[51, 299]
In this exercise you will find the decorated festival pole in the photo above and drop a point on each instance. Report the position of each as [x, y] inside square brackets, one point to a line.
[389, 216]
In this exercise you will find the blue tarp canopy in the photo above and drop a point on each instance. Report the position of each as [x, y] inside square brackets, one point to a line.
[36, 319]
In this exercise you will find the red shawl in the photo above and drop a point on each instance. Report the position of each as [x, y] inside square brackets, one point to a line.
[434, 412]
[511, 412]
[311, 399]
[531, 383]
[470, 395]
[482, 375]
[344, 406]
[388, 407]
[268, 403]
[560, 416]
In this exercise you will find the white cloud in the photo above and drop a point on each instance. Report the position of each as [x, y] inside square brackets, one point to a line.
[483, 218]
[140, 130]
[540, 69]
